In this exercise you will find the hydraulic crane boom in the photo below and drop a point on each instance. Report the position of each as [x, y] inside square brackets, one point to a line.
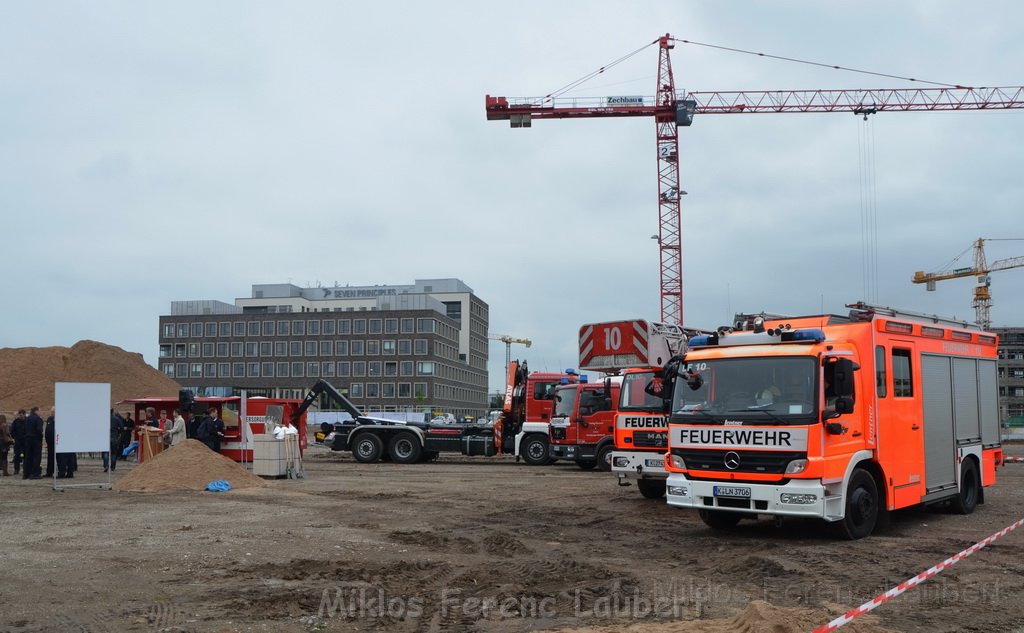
[672, 109]
[982, 296]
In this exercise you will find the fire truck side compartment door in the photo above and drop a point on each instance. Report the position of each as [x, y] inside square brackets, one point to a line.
[937, 394]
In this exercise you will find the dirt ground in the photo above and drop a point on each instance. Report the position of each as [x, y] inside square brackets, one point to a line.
[476, 544]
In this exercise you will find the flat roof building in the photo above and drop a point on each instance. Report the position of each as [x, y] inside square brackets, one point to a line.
[1011, 376]
[416, 347]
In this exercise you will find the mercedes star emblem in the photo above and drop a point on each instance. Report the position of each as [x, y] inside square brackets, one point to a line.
[732, 460]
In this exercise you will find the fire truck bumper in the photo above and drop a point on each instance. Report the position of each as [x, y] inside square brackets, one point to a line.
[570, 452]
[803, 498]
[639, 465]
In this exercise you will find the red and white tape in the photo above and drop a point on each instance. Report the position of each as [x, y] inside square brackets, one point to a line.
[913, 582]
[1013, 460]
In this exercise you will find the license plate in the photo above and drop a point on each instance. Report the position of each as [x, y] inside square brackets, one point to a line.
[654, 463]
[732, 491]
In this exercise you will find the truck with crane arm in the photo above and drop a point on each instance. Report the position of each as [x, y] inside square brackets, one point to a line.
[839, 418]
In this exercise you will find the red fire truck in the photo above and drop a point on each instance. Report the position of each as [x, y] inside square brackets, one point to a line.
[638, 349]
[523, 429]
[238, 438]
[842, 418]
[583, 422]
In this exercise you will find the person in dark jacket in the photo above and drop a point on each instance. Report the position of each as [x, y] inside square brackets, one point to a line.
[116, 428]
[5, 444]
[18, 434]
[48, 434]
[211, 430]
[33, 445]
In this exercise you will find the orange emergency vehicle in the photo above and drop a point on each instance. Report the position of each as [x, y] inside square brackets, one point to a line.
[842, 418]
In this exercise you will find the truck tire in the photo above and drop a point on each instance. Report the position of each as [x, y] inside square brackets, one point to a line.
[367, 447]
[719, 519]
[586, 464]
[651, 488]
[604, 457]
[862, 507]
[535, 450]
[970, 488]
[405, 448]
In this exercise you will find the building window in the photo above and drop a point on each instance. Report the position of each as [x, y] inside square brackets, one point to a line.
[210, 370]
[329, 369]
[420, 347]
[425, 368]
[404, 390]
[357, 348]
[419, 390]
[372, 390]
[197, 330]
[269, 328]
[207, 350]
[341, 348]
[356, 390]
[404, 347]
[328, 327]
[313, 328]
[387, 390]
[168, 330]
[224, 370]
[298, 370]
[359, 368]
[313, 370]
[327, 348]
[407, 367]
[388, 348]
[425, 325]
[284, 328]
[193, 350]
[236, 349]
[165, 351]
[238, 328]
[408, 326]
[169, 369]
[374, 367]
[391, 368]
[375, 326]
[902, 378]
[298, 328]
[253, 328]
[195, 370]
[251, 348]
[222, 350]
[210, 328]
[224, 328]
[344, 326]
[266, 348]
[183, 330]
[310, 348]
[238, 370]
[359, 326]
[343, 368]
[282, 370]
[391, 326]
[268, 370]
[280, 348]
[181, 369]
[373, 347]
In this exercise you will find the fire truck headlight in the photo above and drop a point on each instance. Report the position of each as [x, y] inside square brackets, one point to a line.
[621, 462]
[678, 491]
[796, 467]
[798, 499]
[677, 462]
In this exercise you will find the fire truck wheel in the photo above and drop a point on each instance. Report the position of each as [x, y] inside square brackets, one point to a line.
[651, 488]
[967, 500]
[405, 448]
[367, 448]
[604, 458]
[535, 450]
[861, 507]
[719, 520]
[586, 464]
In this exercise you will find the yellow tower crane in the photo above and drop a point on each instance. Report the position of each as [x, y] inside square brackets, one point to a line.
[508, 340]
[982, 297]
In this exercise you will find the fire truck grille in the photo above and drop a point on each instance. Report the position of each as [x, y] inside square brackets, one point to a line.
[749, 461]
[650, 439]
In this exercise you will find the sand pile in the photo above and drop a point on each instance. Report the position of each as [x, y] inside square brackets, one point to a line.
[757, 617]
[27, 374]
[187, 466]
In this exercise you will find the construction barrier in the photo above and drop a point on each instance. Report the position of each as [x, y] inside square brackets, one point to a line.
[913, 582]
[1013, 460]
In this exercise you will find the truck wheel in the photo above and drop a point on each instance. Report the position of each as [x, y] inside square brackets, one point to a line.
[861, 507]
[967, 500]
[405, 448]
[586, 464]
[604, 458]
[652, 488]
[719, 520]
[535, 450]
[367, 448]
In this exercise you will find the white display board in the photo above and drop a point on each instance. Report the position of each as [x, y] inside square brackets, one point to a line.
[82, 417]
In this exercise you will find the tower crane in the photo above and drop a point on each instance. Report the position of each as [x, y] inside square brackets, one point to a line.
[508, 340]
[982, 297]
[671, 110]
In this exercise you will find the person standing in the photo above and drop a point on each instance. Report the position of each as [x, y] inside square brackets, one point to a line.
[18, 434]
[5, 445]
[48, 434]
[176, 434]
[33, 445]
[151, 418]
[116, 427]
[211, 430]
[218, 429]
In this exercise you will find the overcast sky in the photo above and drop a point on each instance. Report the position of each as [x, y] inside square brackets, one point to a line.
[161, 151]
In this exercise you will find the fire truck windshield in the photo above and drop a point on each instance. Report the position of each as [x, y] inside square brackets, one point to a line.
[764, 390]
[634, 396]
[565, 402]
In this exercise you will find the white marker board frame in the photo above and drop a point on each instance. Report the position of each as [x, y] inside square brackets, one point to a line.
[82, 417]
